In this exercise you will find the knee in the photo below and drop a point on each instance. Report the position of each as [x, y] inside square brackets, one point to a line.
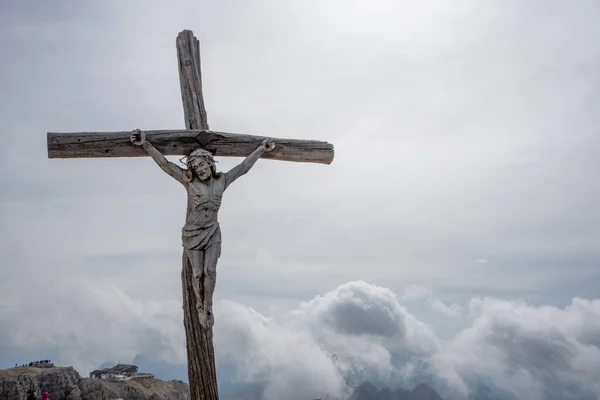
[211, 273]
[196, 273]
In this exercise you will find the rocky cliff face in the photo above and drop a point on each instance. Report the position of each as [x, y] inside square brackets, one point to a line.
[66, 384]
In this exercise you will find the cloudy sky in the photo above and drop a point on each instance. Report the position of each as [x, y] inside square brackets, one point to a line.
[460, 214]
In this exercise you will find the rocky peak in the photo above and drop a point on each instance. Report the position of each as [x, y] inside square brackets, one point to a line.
[64, 383]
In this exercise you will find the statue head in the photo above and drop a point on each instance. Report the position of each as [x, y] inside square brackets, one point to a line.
[200, 163]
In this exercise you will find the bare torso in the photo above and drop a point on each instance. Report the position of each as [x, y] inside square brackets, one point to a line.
[204, 201]
[201, 228]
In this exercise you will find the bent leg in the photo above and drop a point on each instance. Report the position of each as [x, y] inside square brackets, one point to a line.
[196, 260]
[211, 258]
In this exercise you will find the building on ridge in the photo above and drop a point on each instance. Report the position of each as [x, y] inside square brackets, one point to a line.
[119, 371]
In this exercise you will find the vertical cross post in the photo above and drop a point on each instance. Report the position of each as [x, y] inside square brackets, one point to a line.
[202, 373]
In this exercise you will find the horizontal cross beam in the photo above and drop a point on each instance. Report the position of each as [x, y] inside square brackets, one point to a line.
[182, 142]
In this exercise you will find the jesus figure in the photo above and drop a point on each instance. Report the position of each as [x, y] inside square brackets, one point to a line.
[201, 235]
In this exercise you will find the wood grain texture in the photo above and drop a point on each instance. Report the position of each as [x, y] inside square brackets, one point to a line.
[182, 142]
[190, 79]
[202, 372]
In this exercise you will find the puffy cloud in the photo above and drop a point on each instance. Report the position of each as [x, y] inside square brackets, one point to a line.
[287, 362]
[356, 308]
[526, 349]
[366, 328]
[367, 318]
[87, 324]
[354, 332]
[532, 351]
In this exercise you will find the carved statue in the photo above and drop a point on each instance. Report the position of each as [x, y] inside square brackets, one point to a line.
[201, 235]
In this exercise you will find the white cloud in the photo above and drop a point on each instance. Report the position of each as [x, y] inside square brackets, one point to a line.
[524, 349]
[522, 346]
[288, 361]
[528, 350]
[89, 323]
[355, 332]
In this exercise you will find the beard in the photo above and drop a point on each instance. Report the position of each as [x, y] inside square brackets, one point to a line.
[203, 175]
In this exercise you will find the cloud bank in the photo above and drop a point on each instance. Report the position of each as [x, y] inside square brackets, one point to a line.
[352, 333]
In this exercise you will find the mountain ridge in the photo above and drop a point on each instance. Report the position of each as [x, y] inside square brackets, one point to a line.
[65, 383]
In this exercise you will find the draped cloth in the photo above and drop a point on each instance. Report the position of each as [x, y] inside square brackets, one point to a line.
[196, 237]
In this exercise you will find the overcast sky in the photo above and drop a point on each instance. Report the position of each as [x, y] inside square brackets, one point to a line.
[464, 186]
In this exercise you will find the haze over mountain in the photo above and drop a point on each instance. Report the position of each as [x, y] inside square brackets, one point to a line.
[361, 333]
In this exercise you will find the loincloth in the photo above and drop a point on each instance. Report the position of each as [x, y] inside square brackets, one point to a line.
[200, 238]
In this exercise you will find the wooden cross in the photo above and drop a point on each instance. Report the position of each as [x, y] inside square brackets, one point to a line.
[199, 335]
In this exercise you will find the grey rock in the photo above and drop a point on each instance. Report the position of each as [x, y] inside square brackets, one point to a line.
[64, 383]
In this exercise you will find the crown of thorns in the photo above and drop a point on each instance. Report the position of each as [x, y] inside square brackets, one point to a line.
[198, 153]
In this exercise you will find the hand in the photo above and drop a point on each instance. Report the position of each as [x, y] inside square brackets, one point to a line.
[267, 145]
[138, 137]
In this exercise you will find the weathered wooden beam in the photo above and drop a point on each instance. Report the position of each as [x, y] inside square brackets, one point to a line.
[190, 79]
[202, 370]
[182, 142]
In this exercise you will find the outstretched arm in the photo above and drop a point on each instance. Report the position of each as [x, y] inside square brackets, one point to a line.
[139, 139]
[266, 146]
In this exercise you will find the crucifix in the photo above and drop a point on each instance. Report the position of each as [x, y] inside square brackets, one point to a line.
[201, 234]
